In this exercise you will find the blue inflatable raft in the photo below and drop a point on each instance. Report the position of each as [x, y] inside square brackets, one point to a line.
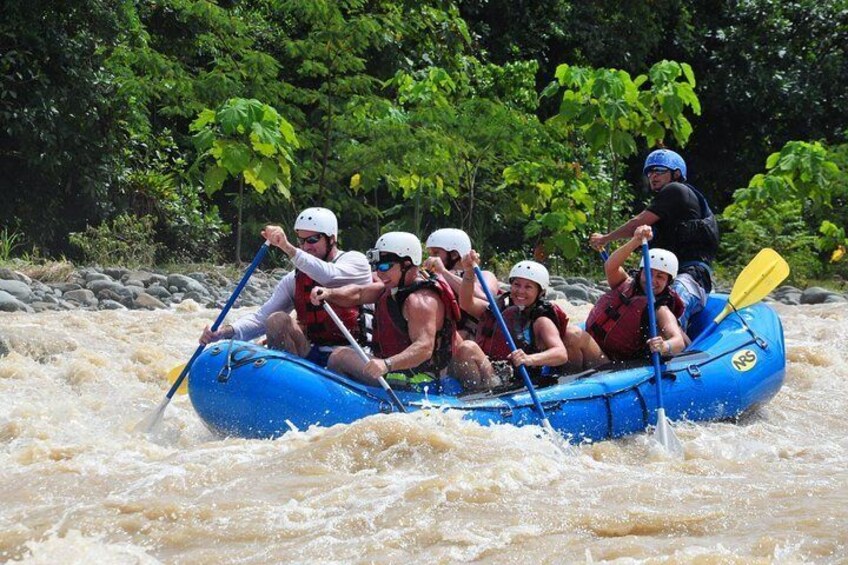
[245, 390]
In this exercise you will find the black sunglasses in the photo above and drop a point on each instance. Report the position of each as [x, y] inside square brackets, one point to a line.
[658, 171]
[312, 239]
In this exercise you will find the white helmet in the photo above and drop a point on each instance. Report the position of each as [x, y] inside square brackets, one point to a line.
[531, 270]
[318, 220]
[400, 243]
[450, 239]
[662, 260]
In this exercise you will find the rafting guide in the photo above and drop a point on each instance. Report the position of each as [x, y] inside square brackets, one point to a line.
[684, 225]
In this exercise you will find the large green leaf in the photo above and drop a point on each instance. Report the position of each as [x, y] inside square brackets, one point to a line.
[567, 243]
[234, 156]
[205, 117]
[213, 179]
[203, 140]
[265, 140]
[261, 174]
[235, 117]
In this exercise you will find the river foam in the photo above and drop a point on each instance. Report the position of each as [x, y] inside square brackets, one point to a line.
[80, 485]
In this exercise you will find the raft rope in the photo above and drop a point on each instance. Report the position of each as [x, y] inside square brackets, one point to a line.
[235, 361]
[759, 341]
[226, 370]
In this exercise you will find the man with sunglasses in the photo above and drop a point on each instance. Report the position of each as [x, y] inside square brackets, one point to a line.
[414, 320]
[682, 223]
[317, 261]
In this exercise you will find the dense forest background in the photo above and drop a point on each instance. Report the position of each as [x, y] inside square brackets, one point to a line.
[162, 130]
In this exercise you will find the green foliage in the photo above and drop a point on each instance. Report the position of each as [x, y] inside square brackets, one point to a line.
[612, 110]
[61, 121]
[560, 199]
[249, 139]
[417, 115]
[187, 227]
[796, 206]
[769, 72]
[10, 240]
[125, 241]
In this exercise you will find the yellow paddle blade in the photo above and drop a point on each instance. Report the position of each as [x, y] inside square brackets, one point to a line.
[762, 275]
[174, 374]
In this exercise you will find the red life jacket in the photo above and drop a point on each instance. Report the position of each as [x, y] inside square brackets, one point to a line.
[314, 321]
[619, 322]
[467, 322]
[391, 330]
[491, 340]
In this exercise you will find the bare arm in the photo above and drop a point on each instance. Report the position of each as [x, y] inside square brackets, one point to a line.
[598, 241]
[468, 299]
[553, 349]
[423, 312]
[670, 338]
[614, 267]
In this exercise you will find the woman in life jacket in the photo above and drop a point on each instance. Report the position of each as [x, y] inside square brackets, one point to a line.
[539, 328]
[619, 320]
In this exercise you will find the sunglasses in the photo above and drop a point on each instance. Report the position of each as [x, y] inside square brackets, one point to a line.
[312, 239]
[383, 267]
[658, 171]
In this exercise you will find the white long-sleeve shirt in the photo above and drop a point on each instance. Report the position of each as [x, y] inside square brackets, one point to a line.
[350, 267]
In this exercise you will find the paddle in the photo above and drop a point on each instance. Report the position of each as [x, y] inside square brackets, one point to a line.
[762, 275]
[174, 374]
[493, 307]
[664, 433]
[153, 419]
[362, 354]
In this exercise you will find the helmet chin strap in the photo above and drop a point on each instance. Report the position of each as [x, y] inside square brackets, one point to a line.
[331, 244]
[403, 270]
[451, 261]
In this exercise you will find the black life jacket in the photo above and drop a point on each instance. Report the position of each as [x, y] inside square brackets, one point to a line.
[520, 323]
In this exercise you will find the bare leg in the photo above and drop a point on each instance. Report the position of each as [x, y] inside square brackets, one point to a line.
[583, 352]
[346, 361]
[284, 334]
[472, 368]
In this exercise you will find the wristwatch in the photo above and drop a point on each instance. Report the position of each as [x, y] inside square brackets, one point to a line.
[388, 362]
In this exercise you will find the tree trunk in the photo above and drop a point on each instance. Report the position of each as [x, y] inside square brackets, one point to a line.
[417, 218]
[613, 189]
[325, 157]
[238, 224]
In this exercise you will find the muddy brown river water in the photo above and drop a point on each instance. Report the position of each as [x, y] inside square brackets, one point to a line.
[77, 485]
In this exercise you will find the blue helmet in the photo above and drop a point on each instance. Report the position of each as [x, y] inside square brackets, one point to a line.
[665, 158]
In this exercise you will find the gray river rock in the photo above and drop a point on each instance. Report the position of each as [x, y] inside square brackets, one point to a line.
[93, 288]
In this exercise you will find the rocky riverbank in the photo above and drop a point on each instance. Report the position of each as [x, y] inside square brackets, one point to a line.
[94, 288]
